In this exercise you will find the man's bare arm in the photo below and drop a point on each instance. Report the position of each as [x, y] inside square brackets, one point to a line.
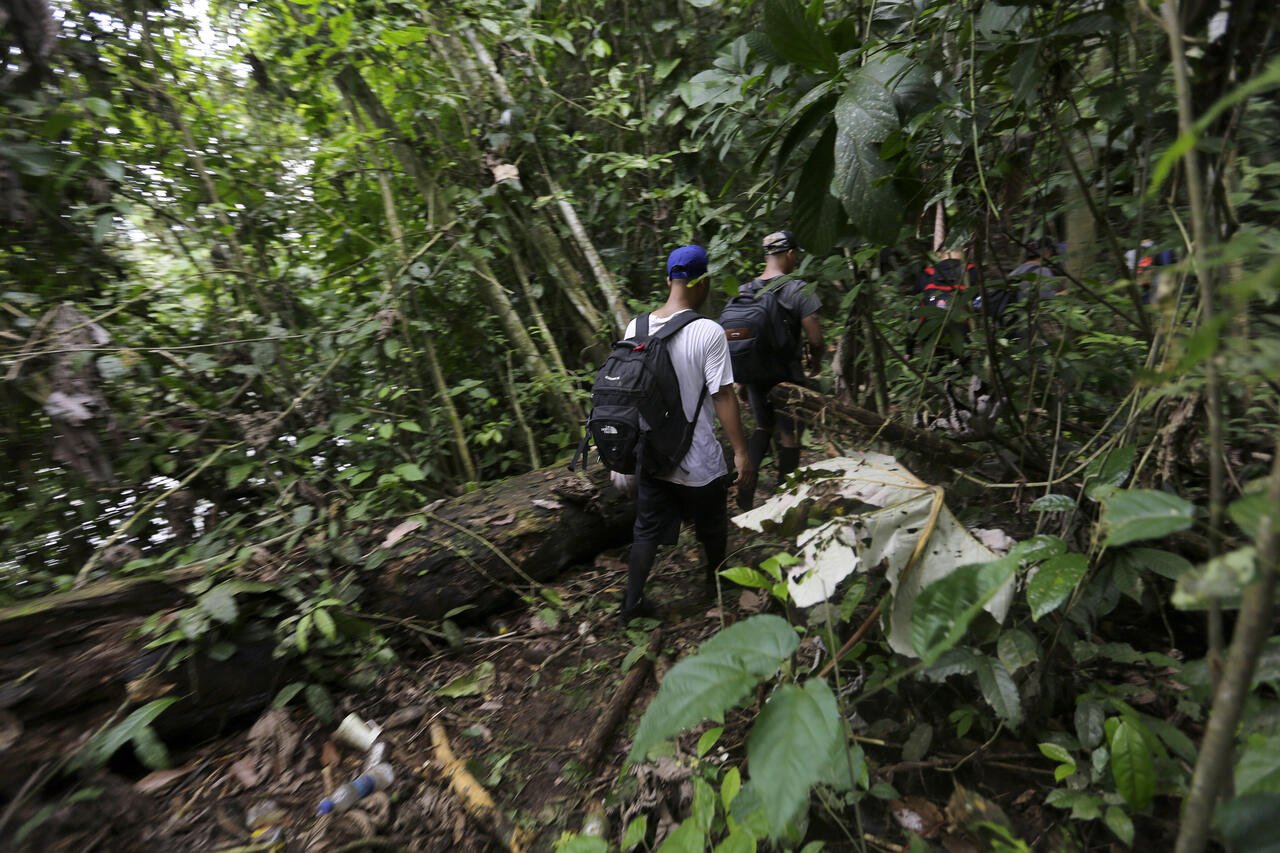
[813, 330]
[726, 404]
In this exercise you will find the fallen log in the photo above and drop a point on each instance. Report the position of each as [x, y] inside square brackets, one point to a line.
[69, 661]
[818, 410]
[484, 549]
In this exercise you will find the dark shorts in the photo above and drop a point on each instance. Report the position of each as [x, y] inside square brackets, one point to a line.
[661, 507]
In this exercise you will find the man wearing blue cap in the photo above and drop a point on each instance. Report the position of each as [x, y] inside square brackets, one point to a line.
[697, 488]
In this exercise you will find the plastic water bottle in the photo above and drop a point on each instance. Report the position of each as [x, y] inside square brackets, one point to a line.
[378, 777]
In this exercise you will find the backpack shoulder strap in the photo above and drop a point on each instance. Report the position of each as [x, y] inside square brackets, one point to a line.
[642, 326]
[676, 324]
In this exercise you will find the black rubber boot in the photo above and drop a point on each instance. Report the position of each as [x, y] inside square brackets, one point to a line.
[757, 447]
[788, 461]
[638, 565]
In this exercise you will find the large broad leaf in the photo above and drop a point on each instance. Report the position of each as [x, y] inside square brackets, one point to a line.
[1133, 515]
[760, 644]
[796, 37]
[908, 82]
[725, 670]
[944, 609]
[1163, 563]
[865, 117]
[790, 747]
[819, 217]
[1132, 764]
[1053, 582]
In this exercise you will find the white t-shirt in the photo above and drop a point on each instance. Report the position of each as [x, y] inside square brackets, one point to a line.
[700, 356]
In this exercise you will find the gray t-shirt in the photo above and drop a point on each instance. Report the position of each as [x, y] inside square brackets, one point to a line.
[700, 356]
[799, 298]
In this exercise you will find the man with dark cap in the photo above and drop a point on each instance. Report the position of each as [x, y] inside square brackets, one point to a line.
[697, 488]
[800, 306]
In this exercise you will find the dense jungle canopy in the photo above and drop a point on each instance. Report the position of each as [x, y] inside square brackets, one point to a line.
[277, 278]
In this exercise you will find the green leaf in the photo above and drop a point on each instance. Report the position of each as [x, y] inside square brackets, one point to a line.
[1223, 579]
[237, 474]
[286, 694]
[797, 38]
[1016, 648]
[761, 643]
[1247, 512]
[324, 624]
[707, 740]
[688, 837]
[746, 576]
[999, 690]
[1258, 768]
[1053, 503]
[1083, 805]
[102, 746]
[320, 703]
[1132, 764]
[405, 35]
[1053, 582]
[301, 632]
[475, 682]
[695, 689]
[942, 612]
[220, 604]
[790, 745]
[1248, 822]
[1163, 563]
[865, 117]
[1119, 823]
[1066, 764]
[150, 750]
[1110, 469]
[1132, 515]
[409, 472]
[819, 217]
[739, 840]
[636, 831]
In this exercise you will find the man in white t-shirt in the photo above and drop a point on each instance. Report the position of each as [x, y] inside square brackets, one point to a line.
[697, 489]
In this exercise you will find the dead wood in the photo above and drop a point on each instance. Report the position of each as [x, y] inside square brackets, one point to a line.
[602, 732]
[824, 412]
[475, 799]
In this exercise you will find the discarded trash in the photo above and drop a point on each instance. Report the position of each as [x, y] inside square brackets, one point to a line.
[377, 753]
[596, 823]
[378, 777]
[355, 732]
[265, 821]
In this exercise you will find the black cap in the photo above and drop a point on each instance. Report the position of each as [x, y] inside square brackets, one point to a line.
[779, 242]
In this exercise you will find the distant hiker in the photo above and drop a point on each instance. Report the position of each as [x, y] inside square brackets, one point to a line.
[1031, 281]
[695, 487]
[942, 315]
[763, 324]
[1037, 276]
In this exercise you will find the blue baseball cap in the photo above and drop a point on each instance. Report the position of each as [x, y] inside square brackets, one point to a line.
[687, 262]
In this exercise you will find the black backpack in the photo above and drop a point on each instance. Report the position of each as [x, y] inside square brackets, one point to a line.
[762, 334]
[637, 417]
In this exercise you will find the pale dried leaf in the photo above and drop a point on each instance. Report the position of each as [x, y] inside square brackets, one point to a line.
[400, 531]
[546, 504]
